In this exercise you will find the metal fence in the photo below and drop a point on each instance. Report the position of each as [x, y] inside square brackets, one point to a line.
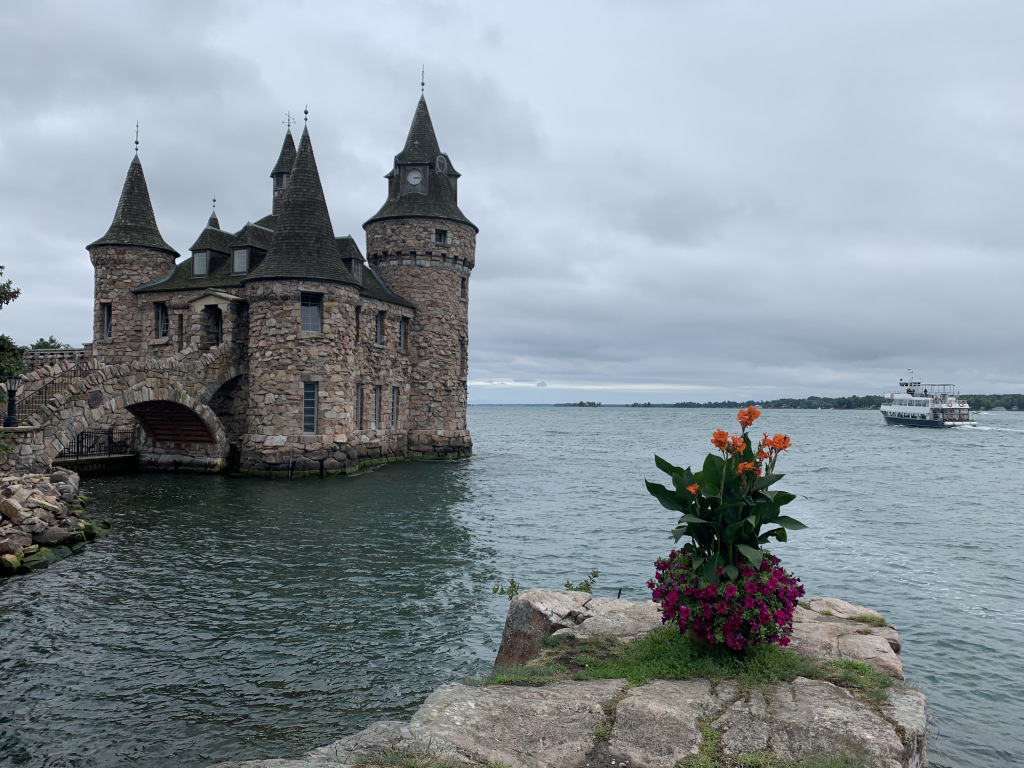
[92, 443]
[32, 402]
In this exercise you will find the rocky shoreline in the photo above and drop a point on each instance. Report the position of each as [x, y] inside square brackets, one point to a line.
[42, 520]
[654, 725]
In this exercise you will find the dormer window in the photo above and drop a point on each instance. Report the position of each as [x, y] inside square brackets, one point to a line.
[441, 236]
[200, 264]
[239, 261]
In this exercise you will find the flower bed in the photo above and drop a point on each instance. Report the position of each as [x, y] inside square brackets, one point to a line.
[757, 607]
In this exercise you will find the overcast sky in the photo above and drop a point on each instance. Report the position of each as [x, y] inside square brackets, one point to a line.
[676, 201]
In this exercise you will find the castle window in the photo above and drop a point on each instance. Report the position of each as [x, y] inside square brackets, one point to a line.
[463, 367]
[240, 261]
[108, 321]
[213, 326]
[310, 390]
[200, 264]
[441, 236]
[162, 320]
[465, 288]
[312, 312]
[357, 322]
[359, 406]
[394, 407]
[376, 406]
[379, 329]
[403, 332]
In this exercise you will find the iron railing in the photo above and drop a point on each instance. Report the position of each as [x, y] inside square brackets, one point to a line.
[32, 402]
[91, 443]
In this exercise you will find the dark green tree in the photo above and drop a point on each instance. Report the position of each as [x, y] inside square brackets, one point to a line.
[8, 292]
[50, 343]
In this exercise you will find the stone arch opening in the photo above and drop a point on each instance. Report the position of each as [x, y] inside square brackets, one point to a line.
[170, 422]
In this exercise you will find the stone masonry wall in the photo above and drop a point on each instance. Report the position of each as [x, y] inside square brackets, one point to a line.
[117, 270]
[282, 358]
[435, 277]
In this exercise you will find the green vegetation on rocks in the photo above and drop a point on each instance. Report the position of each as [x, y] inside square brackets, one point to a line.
[666, 655]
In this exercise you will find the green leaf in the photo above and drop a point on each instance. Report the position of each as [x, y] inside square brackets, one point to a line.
[754, 556]
[710, 570]
[665, 496]
[782, 497]
[690, 518]
[732, 572]
[790, 523]
[666, 467]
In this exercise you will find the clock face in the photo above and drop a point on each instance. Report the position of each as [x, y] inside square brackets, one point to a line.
[414, 177]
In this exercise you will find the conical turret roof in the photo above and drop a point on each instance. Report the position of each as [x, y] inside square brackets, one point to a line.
[134, 221]
[303, 245]
[286, 159]
[421, 144]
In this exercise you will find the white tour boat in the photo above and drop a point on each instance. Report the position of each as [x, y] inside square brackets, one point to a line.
[929, 405]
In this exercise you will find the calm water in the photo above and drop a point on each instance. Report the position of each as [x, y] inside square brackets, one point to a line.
[242, 619]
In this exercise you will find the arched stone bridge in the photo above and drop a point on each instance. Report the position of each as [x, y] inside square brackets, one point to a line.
[169, 397]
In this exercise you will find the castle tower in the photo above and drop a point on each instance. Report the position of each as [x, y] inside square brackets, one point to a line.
[131, 253]
[302, 301]
[283, 170]
[423, 247]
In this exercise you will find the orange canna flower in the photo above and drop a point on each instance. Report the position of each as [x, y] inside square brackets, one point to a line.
[781, 443]
[748, 466]
[762, 455]
[693, 488]
[719, 439]
[737, 444]
[747, 416]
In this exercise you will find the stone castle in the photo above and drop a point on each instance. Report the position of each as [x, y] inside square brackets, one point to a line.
[336, 360]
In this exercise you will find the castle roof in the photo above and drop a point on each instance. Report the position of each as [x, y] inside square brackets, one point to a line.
[134, 221]
[421, 144]
[303, 245]
[373, 287]
[213, 239]
[286, 159]
[439, 202]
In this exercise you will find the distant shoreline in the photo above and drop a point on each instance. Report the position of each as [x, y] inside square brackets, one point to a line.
[1013, 402]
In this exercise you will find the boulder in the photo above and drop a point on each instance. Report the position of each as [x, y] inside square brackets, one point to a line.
[537, 613]
[11, 509]
[372, 741]
[815, 717]
[520, 727]
[829, 638]
[532, 616]
[657, 724]
[42, 558]
[840, 608]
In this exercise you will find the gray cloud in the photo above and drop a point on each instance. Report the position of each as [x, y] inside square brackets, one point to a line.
[676, 200]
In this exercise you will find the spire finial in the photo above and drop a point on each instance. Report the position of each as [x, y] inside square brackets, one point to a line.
[136, 137]
[215, 203]
[288, 120]
[423, 79]
[305, 113]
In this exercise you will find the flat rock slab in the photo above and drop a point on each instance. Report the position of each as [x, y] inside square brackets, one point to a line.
[829, 638]
[269, 764]
[657, 724]
[537, 613]
[380, 737]
[518, 726]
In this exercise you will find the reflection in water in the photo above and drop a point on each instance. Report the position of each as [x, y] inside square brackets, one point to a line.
[241, 618]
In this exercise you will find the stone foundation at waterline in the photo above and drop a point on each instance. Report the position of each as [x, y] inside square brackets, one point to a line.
[42, 521]
[657, 724]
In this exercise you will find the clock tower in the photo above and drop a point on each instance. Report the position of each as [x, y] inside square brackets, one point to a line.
[424, 247]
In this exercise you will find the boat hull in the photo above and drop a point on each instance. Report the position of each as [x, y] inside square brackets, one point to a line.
[932, 423]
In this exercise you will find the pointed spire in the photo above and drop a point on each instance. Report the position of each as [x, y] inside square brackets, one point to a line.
[213, 223]
[421, 144]
[303, 245]
[286, 159]
[134, 221]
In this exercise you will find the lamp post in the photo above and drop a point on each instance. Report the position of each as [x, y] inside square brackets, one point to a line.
[12, 388]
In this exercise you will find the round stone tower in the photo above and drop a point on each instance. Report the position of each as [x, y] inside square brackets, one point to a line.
[423, 247]
[130, 254]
